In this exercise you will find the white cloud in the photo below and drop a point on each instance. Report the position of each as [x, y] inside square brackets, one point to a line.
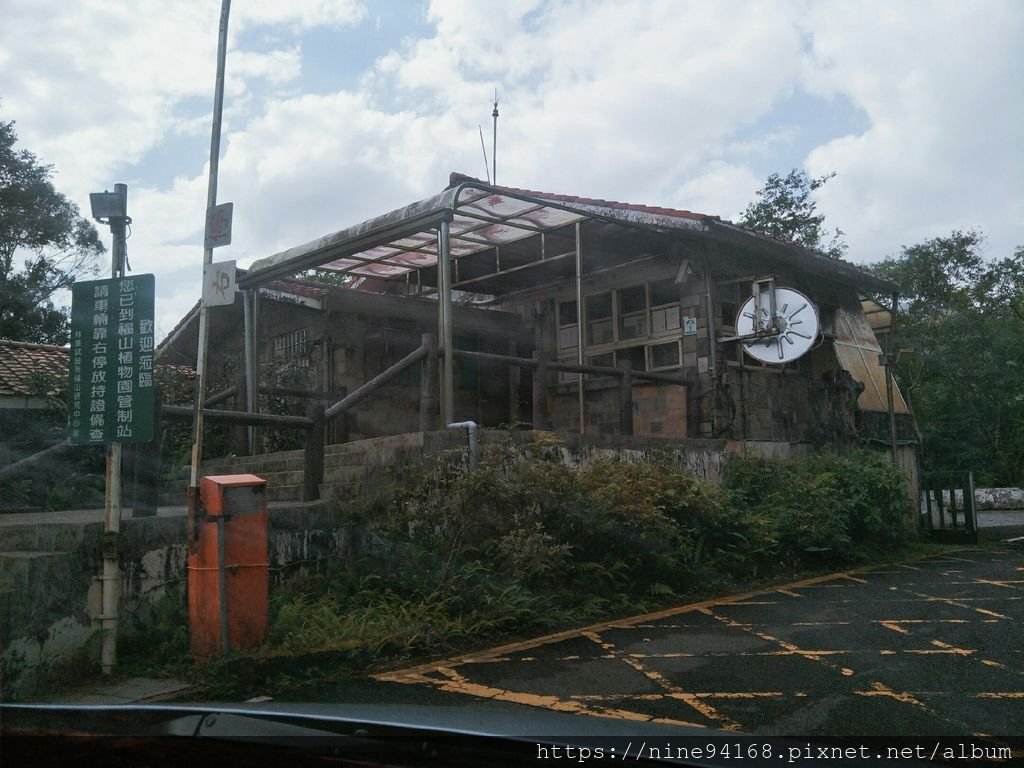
[722, 190]
[943, 147]
[658, 102]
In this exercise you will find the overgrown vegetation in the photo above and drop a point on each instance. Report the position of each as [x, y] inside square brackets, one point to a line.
[526, 544]
[450, 559]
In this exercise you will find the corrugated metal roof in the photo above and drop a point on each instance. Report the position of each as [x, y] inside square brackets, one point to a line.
[858, 352]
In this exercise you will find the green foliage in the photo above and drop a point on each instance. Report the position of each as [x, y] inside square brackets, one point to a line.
[526, 543]
[962, 318]
[45, 245]
[822, 508]
[784, 210]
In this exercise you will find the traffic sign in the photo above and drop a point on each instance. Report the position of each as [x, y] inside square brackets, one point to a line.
[218, 225]
[219, 284]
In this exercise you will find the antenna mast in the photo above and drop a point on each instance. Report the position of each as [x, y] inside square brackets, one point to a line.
[494, 145]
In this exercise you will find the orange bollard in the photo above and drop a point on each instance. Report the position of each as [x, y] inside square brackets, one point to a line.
[228, 570]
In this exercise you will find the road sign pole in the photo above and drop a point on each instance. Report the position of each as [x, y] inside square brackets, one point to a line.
[111, 579]
[211, 201]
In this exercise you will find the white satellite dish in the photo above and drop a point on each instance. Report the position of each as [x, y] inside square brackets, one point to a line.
[796, 323]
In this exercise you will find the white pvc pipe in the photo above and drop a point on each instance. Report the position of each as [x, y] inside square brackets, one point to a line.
[470, 427]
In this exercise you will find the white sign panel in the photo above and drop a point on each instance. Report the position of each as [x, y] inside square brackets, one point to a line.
[219, 284]
[218, 225]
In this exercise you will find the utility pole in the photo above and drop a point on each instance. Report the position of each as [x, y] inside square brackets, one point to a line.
[204, 331]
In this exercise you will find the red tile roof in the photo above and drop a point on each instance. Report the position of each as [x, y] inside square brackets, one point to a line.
[25, 367]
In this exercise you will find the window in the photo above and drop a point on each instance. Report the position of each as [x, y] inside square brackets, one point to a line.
[599, 319]
[621, 322]
[291, 347]
[665, 355]
[568, 330]
[632, 312]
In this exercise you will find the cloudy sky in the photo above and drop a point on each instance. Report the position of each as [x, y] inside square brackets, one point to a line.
[338, 110]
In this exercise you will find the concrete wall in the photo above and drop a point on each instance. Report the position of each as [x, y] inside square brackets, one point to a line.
[50, 597]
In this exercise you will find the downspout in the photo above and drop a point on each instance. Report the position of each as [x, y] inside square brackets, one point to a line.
[474, 450]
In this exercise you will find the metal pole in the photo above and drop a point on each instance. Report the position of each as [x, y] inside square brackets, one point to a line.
[494, 146]
[111, 579]
[890, 362]
[712, 346]
[250, 364]
[204, 331]
[579, 322]
[445, 288]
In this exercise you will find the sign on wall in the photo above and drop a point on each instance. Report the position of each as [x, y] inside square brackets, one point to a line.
[111, 372]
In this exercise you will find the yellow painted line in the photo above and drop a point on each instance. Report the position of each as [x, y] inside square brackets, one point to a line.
[955, 603]
[625, 623]
[854, 578]
[458, 684]
[1009, 695]
[999, 583]
[793, 649]
[820, 623]
[991, 663]
[667, 685]
[878, 689]
[788, 593]
[894, 627]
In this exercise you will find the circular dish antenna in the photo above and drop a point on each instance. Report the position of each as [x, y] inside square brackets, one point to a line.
[796, 320]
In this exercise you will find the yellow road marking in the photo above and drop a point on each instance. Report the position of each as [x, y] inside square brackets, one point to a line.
[894, 627]
[664, 683]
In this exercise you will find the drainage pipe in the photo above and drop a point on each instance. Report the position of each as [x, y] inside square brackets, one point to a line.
[470, 427]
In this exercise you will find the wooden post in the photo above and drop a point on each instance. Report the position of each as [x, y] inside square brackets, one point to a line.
[540, 389]
[626, 398]
[313, 472]
[429, 391]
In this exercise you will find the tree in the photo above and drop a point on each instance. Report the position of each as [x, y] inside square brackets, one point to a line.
[963, 319]
[784, 210]
[45, 246]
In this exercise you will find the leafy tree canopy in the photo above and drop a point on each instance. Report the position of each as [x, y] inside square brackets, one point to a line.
[45, 246]
[963, 319]
[784, 210]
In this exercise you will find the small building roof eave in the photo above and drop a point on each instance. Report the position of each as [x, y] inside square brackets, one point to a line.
[797, 255]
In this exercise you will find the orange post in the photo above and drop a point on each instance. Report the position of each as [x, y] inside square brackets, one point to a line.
[228, 569]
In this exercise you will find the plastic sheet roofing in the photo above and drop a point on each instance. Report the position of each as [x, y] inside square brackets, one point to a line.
[481, 217]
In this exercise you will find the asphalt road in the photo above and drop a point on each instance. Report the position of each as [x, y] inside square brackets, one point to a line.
[926, 648]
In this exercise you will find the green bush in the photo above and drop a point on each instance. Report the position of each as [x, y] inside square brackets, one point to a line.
[525, 543]
[818, 509]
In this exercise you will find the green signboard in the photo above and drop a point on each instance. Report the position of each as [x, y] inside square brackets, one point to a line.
[111, 373]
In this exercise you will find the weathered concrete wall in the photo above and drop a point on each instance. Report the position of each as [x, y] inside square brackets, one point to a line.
[50, 597]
